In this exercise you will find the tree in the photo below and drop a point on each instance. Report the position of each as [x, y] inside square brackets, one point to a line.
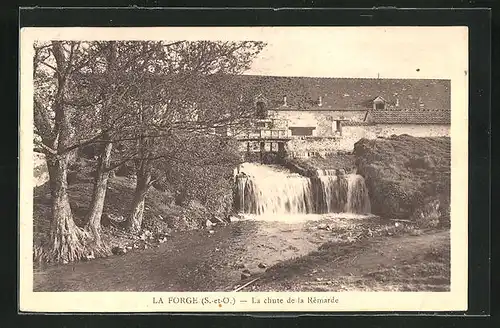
[53, 65]
[192, 93]
[203, 171]
[113, 79]
[135, 95]
[81, 95]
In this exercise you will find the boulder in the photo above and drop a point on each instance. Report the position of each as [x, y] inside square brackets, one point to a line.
[245, 276]
[118, 250]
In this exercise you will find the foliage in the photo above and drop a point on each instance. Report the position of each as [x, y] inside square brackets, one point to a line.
[406, 176]
[130, 100]
[203, 171]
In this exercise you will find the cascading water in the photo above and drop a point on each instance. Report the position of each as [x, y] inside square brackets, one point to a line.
[268, 190]
[263, 189]
[336, 192]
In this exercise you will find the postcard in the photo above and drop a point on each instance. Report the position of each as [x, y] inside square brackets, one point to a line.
[243, 169]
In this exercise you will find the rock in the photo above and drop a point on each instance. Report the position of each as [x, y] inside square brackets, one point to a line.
[245, 276]
[118, 250]
[324, 226]
[429, 214]
[72, 177]
[262, 265]
[135, 246]
[129, 247]
[234, 219]
[145, 246]
[108, 219]
[240, 266]
[209, 224]
[415, 232]
[246, 271]
[211, 231]
[90, 256]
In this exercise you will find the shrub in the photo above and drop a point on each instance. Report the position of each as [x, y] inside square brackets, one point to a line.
[407, 177]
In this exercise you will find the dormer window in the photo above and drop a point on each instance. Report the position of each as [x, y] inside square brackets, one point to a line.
[261, 110]
[379, 103]
[284, 101]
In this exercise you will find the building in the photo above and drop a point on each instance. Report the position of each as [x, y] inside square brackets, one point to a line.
[327, 115]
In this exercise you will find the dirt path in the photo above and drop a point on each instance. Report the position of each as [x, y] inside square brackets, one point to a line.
[200, 261]
[405, 263]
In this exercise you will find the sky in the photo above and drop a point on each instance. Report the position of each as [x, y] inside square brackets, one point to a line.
[385, 52]
[358, 52]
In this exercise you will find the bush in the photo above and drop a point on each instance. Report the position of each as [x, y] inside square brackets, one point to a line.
[407, 177]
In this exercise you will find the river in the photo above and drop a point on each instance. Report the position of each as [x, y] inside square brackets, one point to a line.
[283, 216]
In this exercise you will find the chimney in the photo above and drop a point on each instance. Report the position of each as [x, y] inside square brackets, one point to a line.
[320, 103]
[284, 101]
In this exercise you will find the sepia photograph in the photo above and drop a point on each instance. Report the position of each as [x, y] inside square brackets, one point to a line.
[265, 162]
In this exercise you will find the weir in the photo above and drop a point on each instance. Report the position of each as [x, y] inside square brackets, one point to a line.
[273, 190]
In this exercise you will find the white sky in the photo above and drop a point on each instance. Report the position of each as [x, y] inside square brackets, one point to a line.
[365, 52]
[392, 52]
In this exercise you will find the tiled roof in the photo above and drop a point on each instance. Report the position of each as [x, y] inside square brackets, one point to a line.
[409, 117]
[347, 93]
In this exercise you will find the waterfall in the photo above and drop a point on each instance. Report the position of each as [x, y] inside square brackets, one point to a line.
[263, 189]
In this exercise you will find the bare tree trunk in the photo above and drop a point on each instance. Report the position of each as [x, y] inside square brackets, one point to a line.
[67, 241]
[102, 172]
[97, 204]
[137, 213]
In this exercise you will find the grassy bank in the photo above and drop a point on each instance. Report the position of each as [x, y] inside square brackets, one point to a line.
[161, 215]
[407, 177]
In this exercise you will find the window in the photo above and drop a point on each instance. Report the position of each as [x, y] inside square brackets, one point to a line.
[337, 127]
[261, 110]
[260, 124]
[302, 131]
[379, 103]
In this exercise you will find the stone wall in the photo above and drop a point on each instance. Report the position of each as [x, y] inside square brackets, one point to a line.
[322, 120]
[326, 139]
[351, 134]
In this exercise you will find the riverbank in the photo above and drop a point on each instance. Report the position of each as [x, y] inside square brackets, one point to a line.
[324, 253]
[162, 217]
